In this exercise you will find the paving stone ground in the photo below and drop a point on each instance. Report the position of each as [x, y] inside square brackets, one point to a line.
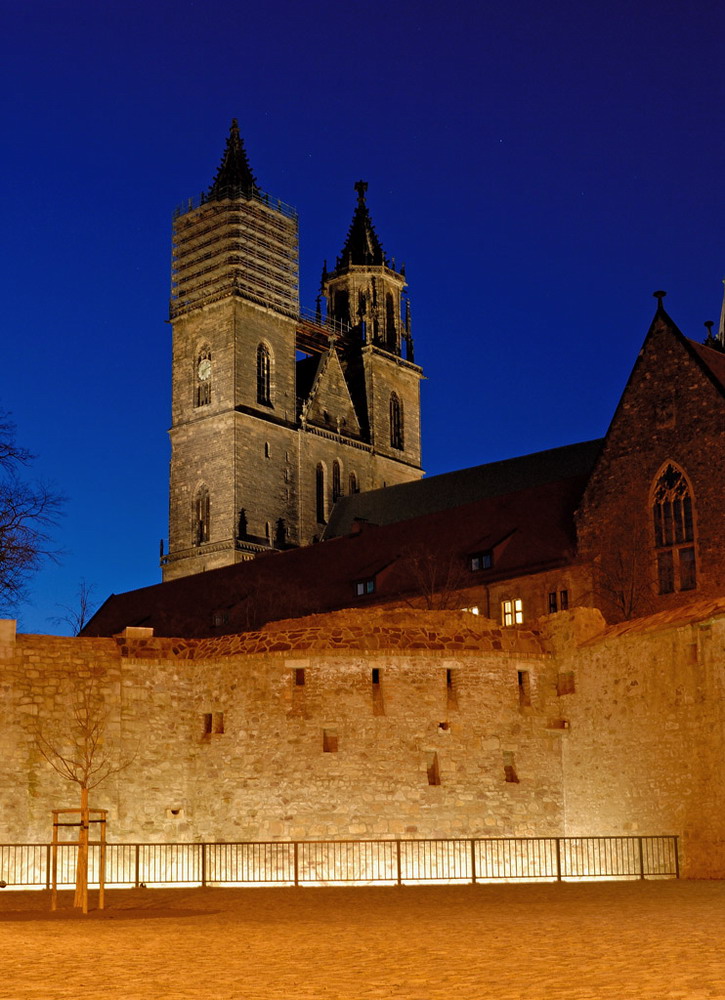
[582, 941]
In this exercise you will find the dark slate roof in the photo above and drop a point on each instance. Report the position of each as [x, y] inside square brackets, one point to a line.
[529, 530]
[451, 489]
[362, 245]
[234, 178]
[712, 360]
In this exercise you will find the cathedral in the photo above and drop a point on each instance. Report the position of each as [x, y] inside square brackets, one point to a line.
[524, 649]
[277, 414]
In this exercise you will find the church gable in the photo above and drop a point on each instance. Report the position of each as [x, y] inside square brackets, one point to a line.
[329, 403]
[671, 417]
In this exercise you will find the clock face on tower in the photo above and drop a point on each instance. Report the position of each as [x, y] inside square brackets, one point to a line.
[204, 369]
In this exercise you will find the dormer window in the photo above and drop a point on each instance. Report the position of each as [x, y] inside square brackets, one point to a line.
[480, 560]
[365, 587]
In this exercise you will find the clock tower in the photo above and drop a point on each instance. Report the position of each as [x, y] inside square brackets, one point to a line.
[276, 415]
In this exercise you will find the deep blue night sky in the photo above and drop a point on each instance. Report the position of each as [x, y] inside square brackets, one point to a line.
[541, 170]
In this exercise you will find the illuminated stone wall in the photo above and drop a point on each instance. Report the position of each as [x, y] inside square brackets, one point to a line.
[386, 724]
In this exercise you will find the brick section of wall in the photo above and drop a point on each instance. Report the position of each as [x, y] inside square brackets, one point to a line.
[670, 412]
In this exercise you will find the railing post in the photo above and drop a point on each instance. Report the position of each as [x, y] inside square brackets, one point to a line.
[398, 862]
[557, 842]
[677, 856]
[641, 858]
[137, 866]
[203, 865]
[473, 861]
[297, 863]
[47, 865]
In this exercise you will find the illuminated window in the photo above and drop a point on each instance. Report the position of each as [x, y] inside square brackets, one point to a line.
[480, 560]
[200, 514]
[202, 376]
[512, 612]
[472, 611]
[264, 376]
[674, 533]
[396, 422]
[363, 587]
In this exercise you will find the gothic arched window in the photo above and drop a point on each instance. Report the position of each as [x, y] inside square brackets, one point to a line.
[320, 492]
[200, 516]
[674, 531]
[202, 376]
[336, 481]
[396, 422]
[354, 488]
[264, 376]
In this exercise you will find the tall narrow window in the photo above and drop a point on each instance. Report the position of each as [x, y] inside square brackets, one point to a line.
[264, 376]
[674, 532]
[320, 492]
[200, 516]
[396, 422]
[336, 481]
[202, 390]
[354, 488]
[390, 331]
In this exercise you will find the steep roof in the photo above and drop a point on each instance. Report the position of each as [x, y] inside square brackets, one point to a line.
[528, 530]
[712, 361]
[437, 493]
[234, 178]
[362, 245]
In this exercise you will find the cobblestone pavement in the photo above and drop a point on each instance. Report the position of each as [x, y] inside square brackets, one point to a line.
[585, 941]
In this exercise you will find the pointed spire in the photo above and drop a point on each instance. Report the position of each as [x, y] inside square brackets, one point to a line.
[659, 296]
[362, 245]
[234, 178]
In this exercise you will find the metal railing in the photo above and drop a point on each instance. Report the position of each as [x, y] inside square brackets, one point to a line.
[351, 861]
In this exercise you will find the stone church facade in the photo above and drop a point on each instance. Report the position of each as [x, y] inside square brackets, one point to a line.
[276, 415]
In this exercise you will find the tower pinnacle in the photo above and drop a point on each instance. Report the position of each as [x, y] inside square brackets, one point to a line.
[362, 245]
[234, 178]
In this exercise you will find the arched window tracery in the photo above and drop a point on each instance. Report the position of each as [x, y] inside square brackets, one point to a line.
[320, 492]
[674, 531]
[396, 422]
[264, 375]
[201, 516]
[336, 481]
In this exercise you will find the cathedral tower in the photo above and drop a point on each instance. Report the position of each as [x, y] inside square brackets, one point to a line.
[275, 416]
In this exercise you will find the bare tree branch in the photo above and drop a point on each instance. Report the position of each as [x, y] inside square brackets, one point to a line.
[28, 513]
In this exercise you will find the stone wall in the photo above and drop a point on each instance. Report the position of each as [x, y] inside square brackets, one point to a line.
[386, 724]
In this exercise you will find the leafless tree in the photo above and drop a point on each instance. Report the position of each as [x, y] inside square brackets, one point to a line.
[623, 573]
[76, 616]
[28, 512]
[434, 577]
[78, 749]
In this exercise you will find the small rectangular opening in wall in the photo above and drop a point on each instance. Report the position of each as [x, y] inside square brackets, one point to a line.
[377, 692]
[434, 774]
[299, 677]
[213, 723]
[524, 685]
[451, 688]
[218, 722]
[208, 723]
[509, 767]
[565, 683]
[329, 740]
